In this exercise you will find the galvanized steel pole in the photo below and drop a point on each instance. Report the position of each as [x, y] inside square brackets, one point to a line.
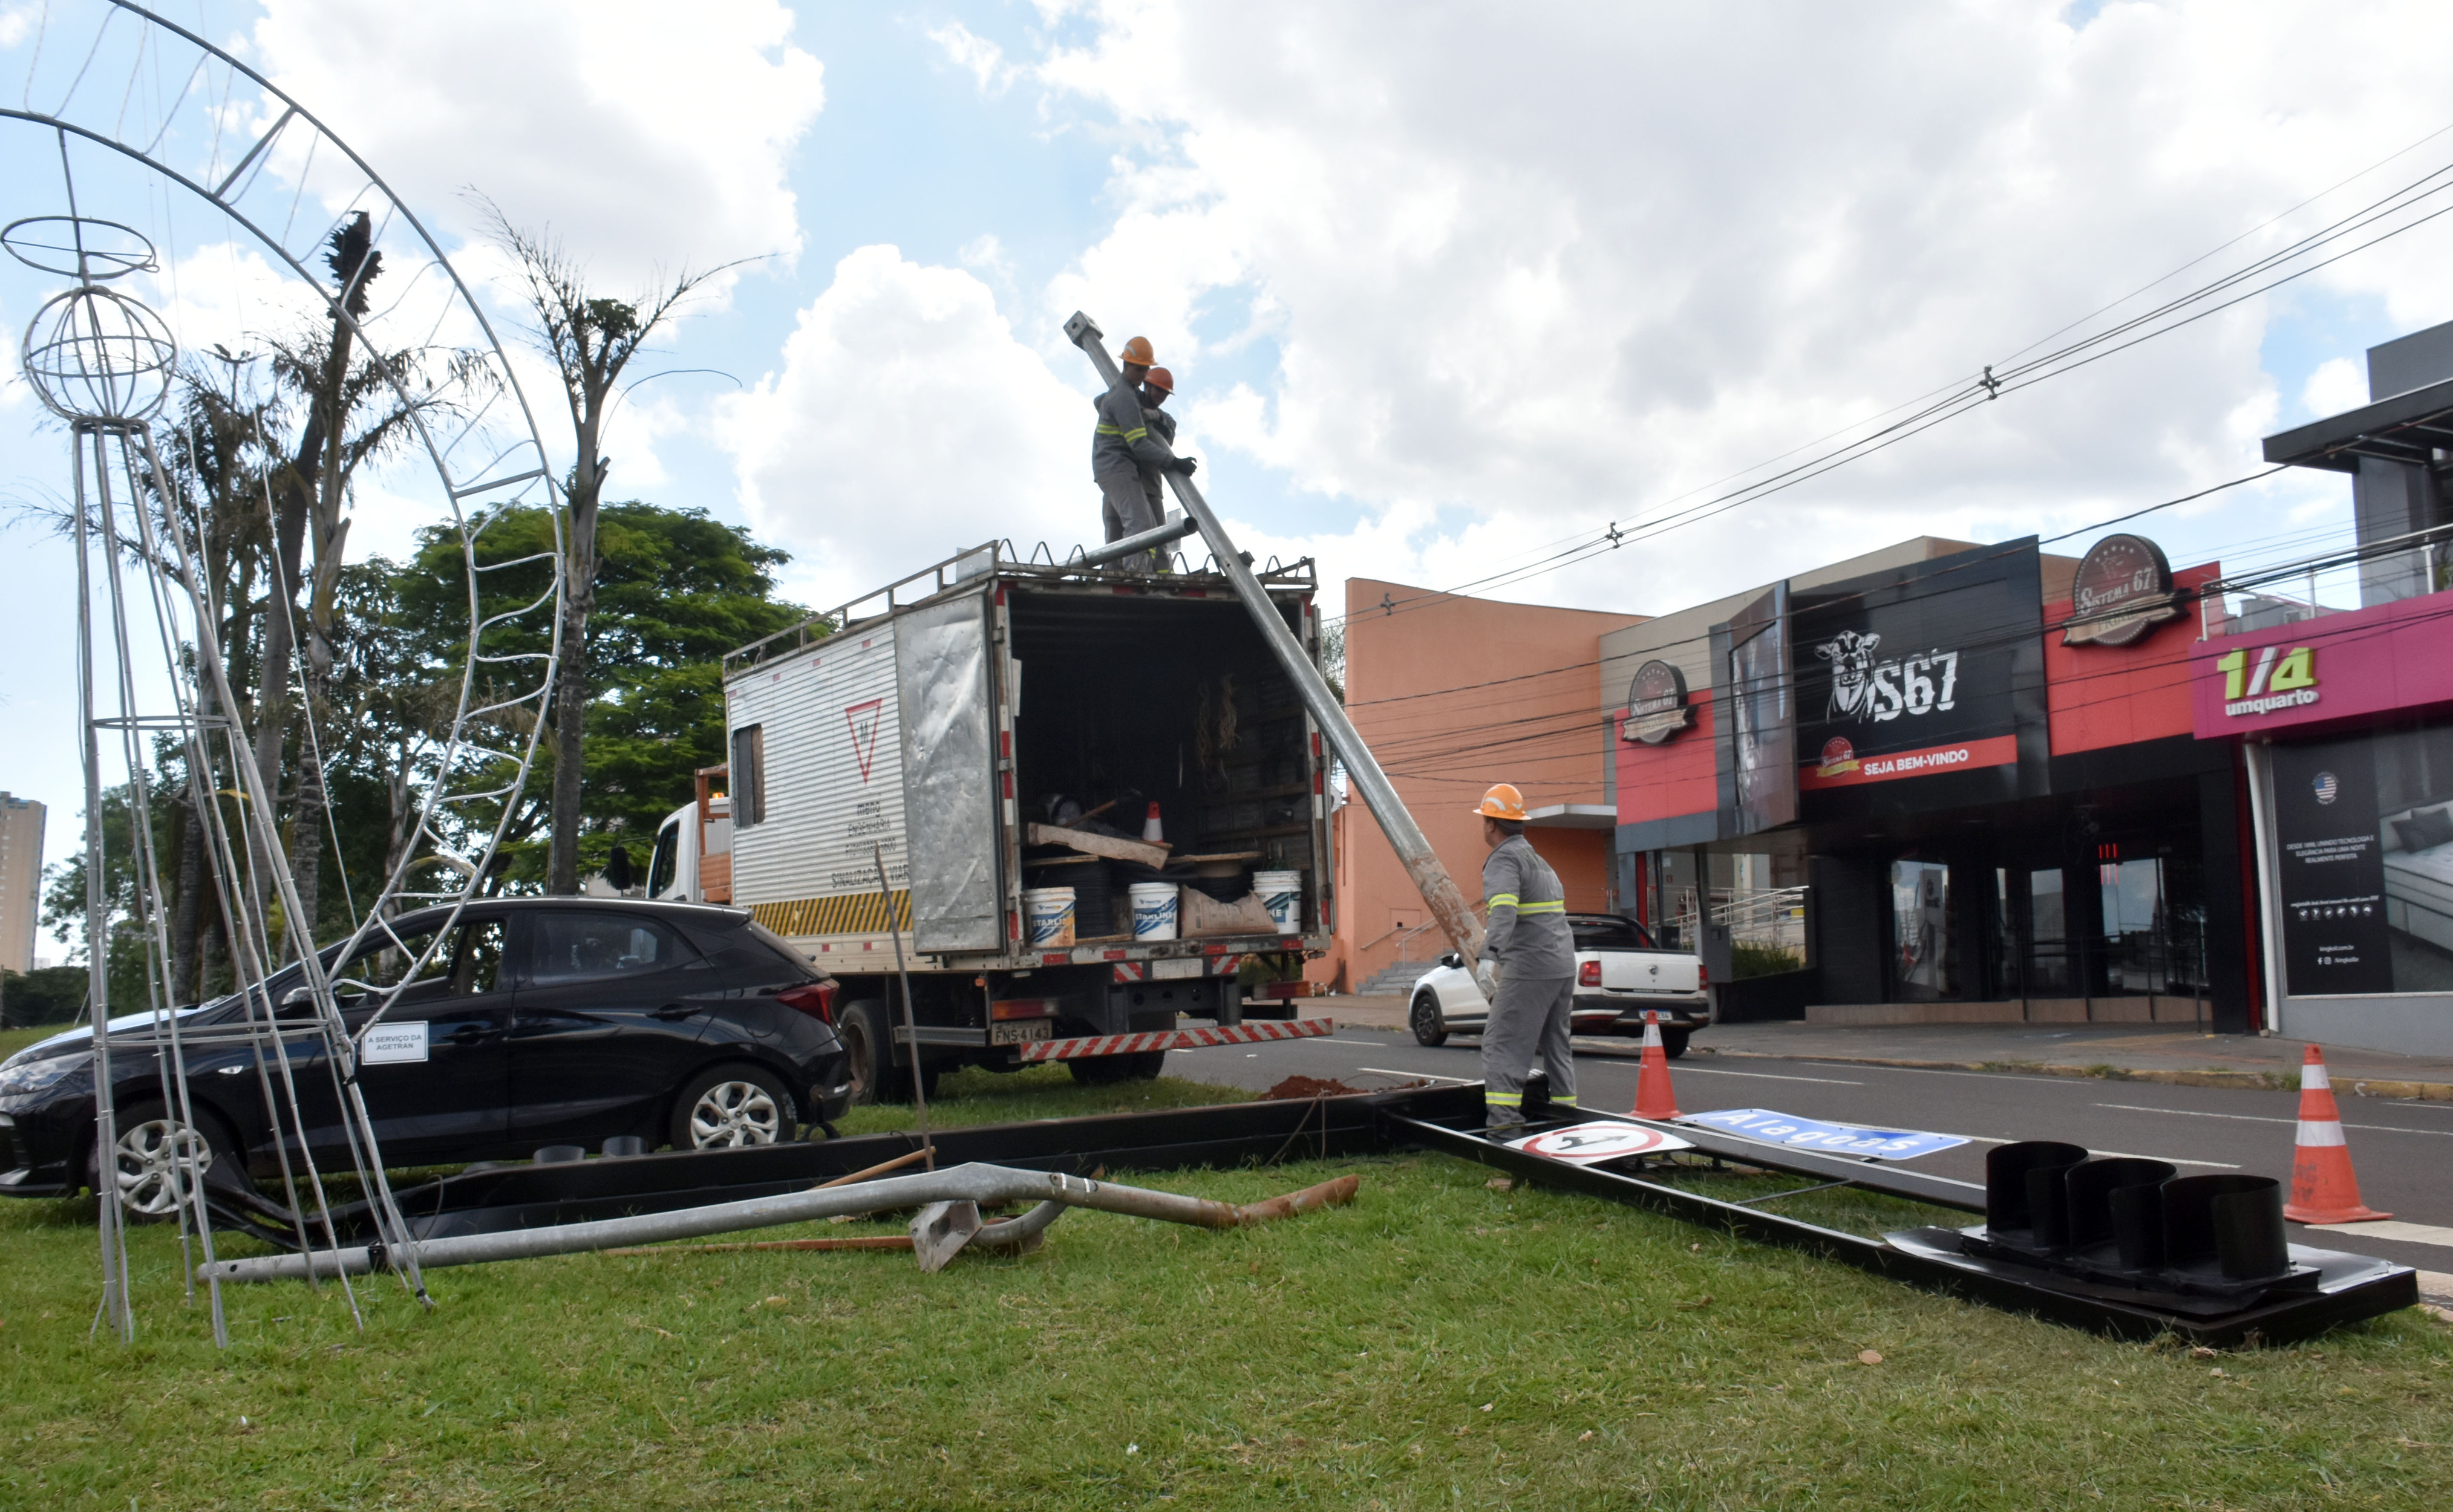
[1423, 864]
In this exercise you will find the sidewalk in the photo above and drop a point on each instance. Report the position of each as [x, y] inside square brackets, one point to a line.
[2138, 1052]
[2141, 1052]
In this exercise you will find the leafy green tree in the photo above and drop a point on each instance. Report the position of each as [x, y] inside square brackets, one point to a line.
[676, 590]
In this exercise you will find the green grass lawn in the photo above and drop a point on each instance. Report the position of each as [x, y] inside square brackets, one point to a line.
[1438, 1344]
[12, 1041]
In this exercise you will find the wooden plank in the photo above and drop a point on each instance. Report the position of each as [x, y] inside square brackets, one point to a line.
[1112, 847]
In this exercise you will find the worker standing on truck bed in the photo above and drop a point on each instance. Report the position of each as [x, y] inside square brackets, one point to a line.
[1529, 956]
[1156, 390]
[1122, 446]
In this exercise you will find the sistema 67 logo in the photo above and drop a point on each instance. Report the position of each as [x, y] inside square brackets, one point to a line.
[1864, 689]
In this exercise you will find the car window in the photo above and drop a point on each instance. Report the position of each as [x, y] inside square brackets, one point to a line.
[1610, 934]
[592, 947]
[478, 964]
[379, 963]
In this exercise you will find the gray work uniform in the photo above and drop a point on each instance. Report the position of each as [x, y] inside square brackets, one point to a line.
[1162, 425]
[1527, 938]
[1120, 449]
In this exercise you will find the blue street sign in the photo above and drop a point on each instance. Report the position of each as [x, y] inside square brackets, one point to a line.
[1814, 1134]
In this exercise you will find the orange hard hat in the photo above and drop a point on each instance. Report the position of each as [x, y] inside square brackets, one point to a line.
[1137, 352]
[1162, 380]
[1501, 802]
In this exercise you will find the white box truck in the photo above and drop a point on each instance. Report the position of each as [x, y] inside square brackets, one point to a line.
[944, 724]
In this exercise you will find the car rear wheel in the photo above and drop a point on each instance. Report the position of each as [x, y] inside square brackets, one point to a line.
[727, 1107]
[157, 1155]
[1424, 1018]
[1673, 1043]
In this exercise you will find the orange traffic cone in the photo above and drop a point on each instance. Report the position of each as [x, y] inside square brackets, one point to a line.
[1653, 1098]
[2322, 1188]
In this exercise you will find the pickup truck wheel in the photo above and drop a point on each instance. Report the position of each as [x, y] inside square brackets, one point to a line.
[727, 1107]
[1673, 1043]
[1424, 1019]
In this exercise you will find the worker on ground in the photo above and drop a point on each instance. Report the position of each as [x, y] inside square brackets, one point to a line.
[1121, 447]
[1156, 390]
[1529, 965]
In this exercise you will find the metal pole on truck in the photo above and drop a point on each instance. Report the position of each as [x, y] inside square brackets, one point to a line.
[910, 1031]
[1437, 888]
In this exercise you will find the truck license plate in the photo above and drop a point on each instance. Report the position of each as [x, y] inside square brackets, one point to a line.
[1019, 1031]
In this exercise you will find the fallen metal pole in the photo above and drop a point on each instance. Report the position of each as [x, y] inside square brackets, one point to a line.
[1176, 528]
[1422, 863]
[975, 1182]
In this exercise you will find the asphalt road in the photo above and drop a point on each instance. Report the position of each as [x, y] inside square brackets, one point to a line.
[2403, 1150]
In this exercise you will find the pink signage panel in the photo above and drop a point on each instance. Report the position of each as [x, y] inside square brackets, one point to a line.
[2367, 660]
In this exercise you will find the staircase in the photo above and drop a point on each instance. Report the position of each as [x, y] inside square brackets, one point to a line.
[1396, 979]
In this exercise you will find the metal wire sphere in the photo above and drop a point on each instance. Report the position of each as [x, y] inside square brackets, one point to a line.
[94, 355]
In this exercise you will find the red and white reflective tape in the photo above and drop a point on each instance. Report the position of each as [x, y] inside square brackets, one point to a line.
[1131, 971]
[1194, 1038]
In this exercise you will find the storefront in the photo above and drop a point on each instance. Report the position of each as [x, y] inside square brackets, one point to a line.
[1982, 765]
[2348, 723]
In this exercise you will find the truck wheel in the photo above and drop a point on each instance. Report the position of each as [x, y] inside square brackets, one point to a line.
[1673, 1043]
[1424, 1019]
[727, 1107]
[862, 1030]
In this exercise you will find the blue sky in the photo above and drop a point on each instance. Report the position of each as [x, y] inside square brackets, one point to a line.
[1439, 286]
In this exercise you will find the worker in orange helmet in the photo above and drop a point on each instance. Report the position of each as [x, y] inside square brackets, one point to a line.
[1124, 445]
[1157, 389]
[1528, 966]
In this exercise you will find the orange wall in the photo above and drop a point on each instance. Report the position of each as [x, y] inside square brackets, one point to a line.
[2111, 695]
[1453, 694]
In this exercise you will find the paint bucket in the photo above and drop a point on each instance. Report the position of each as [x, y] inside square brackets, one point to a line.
[1154, 910]
[1281, 892]
[1048, 917]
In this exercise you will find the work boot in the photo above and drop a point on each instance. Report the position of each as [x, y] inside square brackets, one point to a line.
[1510, 1124]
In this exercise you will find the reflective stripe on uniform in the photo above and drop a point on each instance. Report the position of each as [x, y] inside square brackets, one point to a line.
[1504, 1098]
[1560, 906]
[1503, 899]
[1562, 1101]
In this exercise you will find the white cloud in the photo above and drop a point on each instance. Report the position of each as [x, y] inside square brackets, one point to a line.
[645, 136]
[2339, 384]
[976, 55]
[907, 422]
[1525, 271]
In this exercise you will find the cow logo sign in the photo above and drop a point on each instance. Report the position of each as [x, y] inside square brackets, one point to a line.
[1864, 689]
[1592, 1143]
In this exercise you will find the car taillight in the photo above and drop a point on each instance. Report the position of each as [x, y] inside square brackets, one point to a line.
[1703, 976]
[1590, 974]
[816, 999]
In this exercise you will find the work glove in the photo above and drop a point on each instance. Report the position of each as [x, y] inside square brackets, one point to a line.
[1184, 464]
[1486, 976]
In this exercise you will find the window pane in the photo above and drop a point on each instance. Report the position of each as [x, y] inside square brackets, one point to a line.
[1921, 928]
[481, 956]
[588, 946]
[2051, 967]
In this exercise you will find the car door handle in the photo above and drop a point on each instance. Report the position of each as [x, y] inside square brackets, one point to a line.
[672, 1011]
[468, 1034]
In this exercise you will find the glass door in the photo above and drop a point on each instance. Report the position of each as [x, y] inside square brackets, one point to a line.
[1923, 963]
[2052, 950]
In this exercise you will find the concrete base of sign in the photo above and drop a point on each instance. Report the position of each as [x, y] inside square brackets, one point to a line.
[2012, 1010]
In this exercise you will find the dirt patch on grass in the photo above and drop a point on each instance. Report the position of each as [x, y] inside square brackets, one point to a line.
[1300, 1086]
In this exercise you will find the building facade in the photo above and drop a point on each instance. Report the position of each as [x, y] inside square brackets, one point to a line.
[1453, 694]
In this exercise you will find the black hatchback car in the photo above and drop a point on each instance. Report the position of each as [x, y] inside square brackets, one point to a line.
[541, 1021]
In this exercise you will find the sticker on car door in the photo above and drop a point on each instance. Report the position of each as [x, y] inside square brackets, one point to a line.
[393, 1044]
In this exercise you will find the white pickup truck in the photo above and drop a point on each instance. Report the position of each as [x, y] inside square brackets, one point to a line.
[1619, 974]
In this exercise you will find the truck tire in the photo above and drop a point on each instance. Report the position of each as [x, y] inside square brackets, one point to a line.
[1423, 1019]
[862, 1030]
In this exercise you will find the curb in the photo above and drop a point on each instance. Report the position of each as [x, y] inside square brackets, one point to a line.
[2244, 1080]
